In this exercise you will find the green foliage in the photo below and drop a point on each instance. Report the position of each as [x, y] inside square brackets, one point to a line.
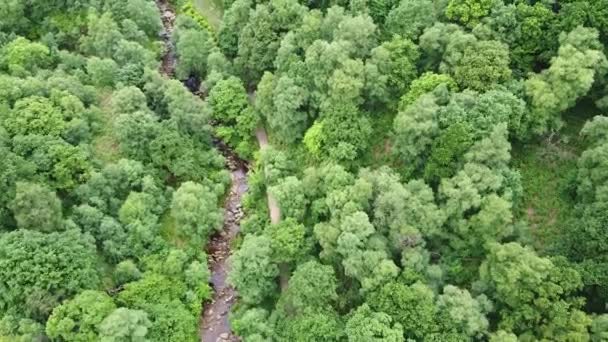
[459, 311]
[194, 210]
[533, 295]
[253, 272]
[36, 207]
[410, 18]
[289, 193]
[447, 151]
[260, 37]
[230, 106]
[468, 12]
[126, 271]
[483, 65]
[103, 72]
[395, 64]
[40, 270]
[189, 9]
[22, 57]
[123, 325]
[230, 28]
[529, 31]
[426, 83]
[411, 306]
[579, 62]
[415, 128]
[311, 287]
[193, 47]
[79, 318]
[368, 325]
[287, 240]
[34, 115]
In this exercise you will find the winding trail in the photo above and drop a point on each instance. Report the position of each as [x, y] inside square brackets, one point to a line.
[214, 325]
[273, 206]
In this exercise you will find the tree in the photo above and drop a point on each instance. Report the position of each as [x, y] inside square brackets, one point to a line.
[172, 321]
[103, 34]
[103, 72]
[368, 325]
[360, 34]
[394, 65]
[22, 57]
[230, 28]
[483, 65]
[34, 115]
[426, 83]
[415, 128]
[152, 289]
[599, 328]
[410, 18]
[126, 271]
[228, 100]
[13, 328]
[40, 270]
[128, 100]
[412, 307]
[194, 208]
[124, 325]
[79, 318]
[289, 193]
[135, 132]
[252, 324]
[287, 240]
[287, 119]
[346, 132]
[188, 112]
[533, 295]
[312, 286]
[259, 39]
[447, 152]
[484, 112]
[313, 326]
[63, 166]
[528, 30]
[459, 311]
[14, 169]
[13, 11]
[144, 13]
[443, 46]
[230, 106]
[579, 62]
[192, 48]
[253, 272]
[468, 12]
[36, 207]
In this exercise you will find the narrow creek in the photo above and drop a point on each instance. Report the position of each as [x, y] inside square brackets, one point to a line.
[214, 325]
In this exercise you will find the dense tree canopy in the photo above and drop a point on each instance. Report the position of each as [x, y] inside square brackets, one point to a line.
[424, 170]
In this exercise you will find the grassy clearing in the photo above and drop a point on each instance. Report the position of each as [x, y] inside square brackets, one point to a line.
[547, 167]
[213, 10]
[168, 230]
[105, 144]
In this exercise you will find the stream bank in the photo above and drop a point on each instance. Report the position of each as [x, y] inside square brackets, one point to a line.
[214, 324]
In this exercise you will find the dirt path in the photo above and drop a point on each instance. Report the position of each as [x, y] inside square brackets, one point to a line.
[214, 325]
[273, 206]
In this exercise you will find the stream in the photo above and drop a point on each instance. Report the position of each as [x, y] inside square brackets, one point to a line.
[214, 325]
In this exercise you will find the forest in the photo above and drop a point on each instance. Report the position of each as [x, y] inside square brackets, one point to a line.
[303, 170]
